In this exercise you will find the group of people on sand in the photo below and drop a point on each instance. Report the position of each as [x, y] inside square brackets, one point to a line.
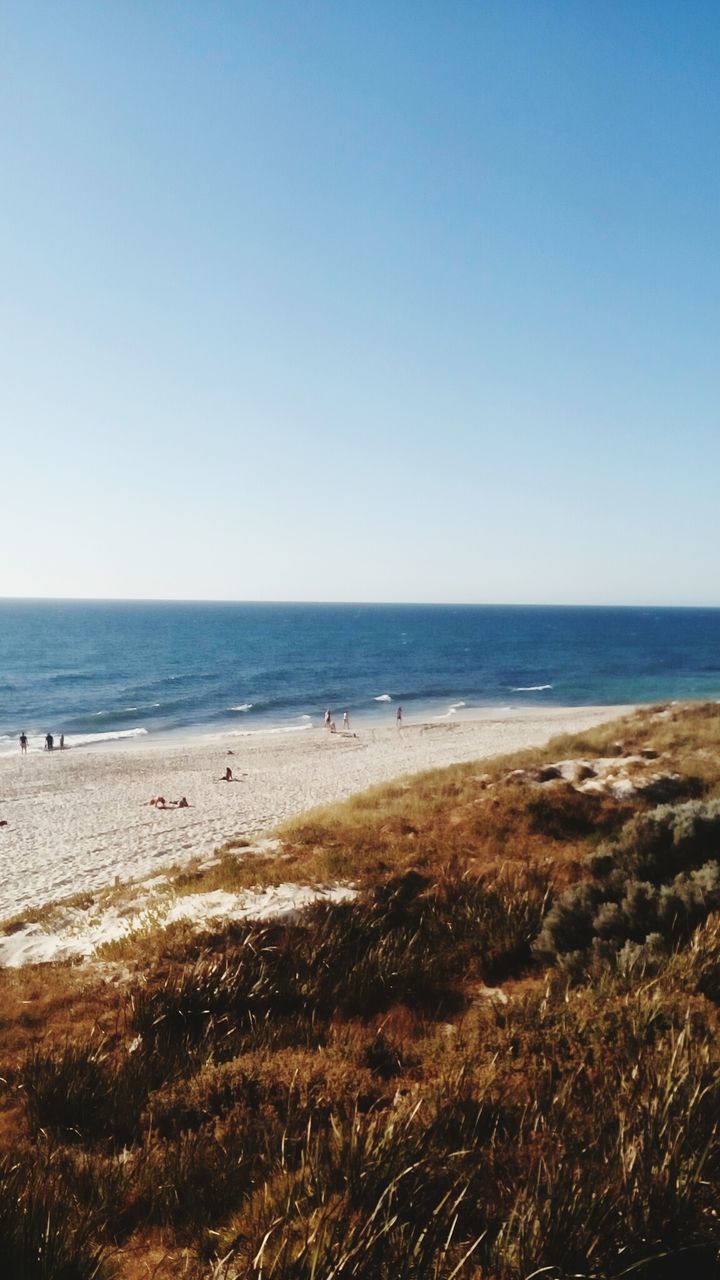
[49, 742]
[330, 723]
[159, 802]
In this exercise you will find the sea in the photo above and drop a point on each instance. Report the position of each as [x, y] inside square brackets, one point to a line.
[107, 671]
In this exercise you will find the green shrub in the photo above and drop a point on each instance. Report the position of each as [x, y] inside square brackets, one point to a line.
[655, 878]
[662, 843]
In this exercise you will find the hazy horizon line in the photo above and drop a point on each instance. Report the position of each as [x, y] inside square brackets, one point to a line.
[399, 604]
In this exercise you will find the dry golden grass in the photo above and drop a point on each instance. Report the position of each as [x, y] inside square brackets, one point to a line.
[343, 1088]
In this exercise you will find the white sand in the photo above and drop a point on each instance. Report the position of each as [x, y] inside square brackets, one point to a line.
[76, 820]
[75, 933]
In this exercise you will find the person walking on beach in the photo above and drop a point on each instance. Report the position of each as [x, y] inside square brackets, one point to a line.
[23, 743]
[398, 717]
[346, 721]
[328, 718]
[49, 742]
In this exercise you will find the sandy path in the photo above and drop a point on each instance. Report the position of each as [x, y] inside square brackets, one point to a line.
[77, 819]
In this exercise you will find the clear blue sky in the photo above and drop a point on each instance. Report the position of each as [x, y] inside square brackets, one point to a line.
[361, 300]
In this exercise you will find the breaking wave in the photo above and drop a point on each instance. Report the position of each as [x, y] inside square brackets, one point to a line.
[36, 742]
[251, 733]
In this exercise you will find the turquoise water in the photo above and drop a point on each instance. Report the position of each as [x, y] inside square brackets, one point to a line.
[103, 670]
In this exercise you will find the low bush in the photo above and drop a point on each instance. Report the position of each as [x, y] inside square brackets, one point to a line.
[660, 844]
[560, 812]
[277, 1085]
[654, 879]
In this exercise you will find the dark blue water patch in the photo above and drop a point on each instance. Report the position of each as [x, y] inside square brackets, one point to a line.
[97, 667]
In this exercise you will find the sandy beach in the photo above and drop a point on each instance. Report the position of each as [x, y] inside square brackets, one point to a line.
[77, 820]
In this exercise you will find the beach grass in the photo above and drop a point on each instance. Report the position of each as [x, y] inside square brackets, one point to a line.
[500, 1060]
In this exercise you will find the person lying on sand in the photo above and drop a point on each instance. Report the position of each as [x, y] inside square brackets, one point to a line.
[161, 803]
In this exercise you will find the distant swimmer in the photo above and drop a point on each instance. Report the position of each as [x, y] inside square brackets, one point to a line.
[49, 742]
[23, 742]
[346, 721]
[398, 717]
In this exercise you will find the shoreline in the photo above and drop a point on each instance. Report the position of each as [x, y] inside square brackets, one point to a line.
[141, 737]
[79, 819]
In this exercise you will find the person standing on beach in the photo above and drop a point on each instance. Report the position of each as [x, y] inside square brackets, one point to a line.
[398, 717]
[49, 742]
[328, 718]
[23, 743]
[62, 741]
[346, 721]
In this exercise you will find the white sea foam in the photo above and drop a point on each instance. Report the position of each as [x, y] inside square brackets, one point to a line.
[531, 688]
[88, 739]
[122, 711]
[383, 697]
[36, 742]
[451, 711]
[251, 733]
[244, 706]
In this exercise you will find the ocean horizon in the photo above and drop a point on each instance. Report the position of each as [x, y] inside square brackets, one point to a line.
[101, 671]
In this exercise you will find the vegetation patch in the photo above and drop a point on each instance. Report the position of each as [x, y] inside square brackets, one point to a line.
[348, 1095]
